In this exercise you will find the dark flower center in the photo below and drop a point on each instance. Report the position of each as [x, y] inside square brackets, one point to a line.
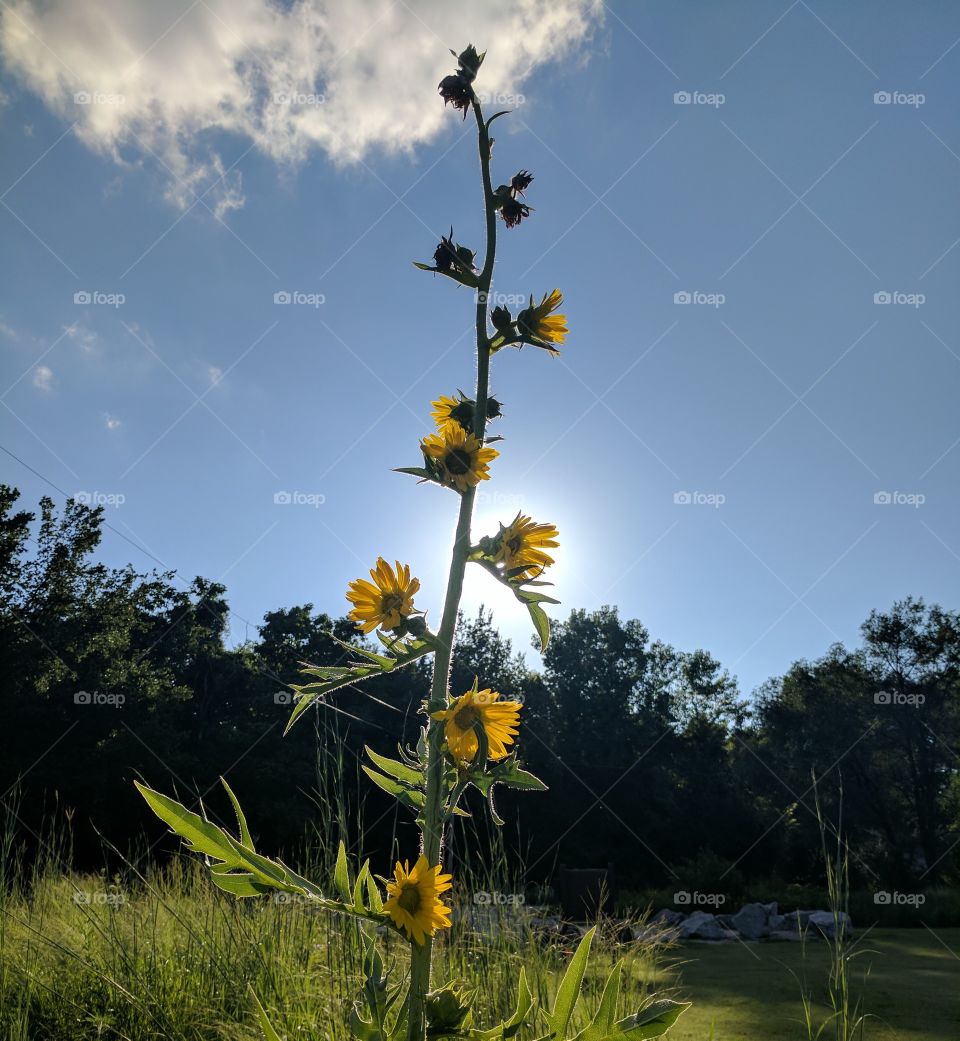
[466, 717]
[458, 461]
[390, 602]
[409, 899]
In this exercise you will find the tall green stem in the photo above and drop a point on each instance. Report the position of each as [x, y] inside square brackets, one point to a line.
[433, 818]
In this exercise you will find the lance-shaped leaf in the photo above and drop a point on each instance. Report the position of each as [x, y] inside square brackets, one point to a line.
[508, 773]
[568, 993]
[652, 1021]
[332, 677]
[236, 868]
[523, 590]
[512, 1026]
[268, 1032]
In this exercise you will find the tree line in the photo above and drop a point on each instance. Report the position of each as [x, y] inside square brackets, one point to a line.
[656, 762]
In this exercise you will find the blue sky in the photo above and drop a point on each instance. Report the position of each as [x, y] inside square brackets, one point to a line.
[815, 165]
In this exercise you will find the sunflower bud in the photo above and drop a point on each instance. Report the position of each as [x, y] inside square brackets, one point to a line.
[447, 1009]
[502, 319]
[469, 62]
[494, 408]
[453, 260]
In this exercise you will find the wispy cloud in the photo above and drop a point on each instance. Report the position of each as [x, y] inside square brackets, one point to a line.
[111, 422]
[43, 378]
[342, 78]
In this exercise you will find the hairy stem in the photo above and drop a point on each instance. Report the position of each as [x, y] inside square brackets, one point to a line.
[433, 812]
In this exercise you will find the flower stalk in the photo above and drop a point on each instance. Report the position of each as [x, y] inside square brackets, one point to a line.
[421, 955]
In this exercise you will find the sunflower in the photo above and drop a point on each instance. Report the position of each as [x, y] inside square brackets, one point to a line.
[387, 600]
[499, 719]
[523, 543]
[455, 412]
[458, 459]
[538, 322]
[413, 903]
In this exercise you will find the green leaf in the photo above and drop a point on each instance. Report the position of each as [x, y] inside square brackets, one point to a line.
[541, 623]
[414, 471]
[268, 1032]
[412, 798]
[605, 1018]
[241, 819]
[341, 874]
[408, 774]
[652, 1021]
[568, 993]
[203, 837]
[374, 900]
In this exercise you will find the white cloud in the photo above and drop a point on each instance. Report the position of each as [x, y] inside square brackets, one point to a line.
[168, 80]
[214, 374]
[43, 377]
[83, 337]
[111, 422]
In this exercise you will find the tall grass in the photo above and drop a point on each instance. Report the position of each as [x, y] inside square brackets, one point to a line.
[159, 952]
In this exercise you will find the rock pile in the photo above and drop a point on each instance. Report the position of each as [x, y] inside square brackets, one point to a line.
[751, 922]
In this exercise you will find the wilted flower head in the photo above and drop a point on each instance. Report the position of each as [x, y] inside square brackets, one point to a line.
[521, 182]
[513, 211]
[456, 91]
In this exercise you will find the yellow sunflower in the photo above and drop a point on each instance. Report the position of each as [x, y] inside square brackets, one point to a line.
[539, 322]
[459, 459]
[443, 412]
[387, 600]
[523, 544]
[499, 719]
[413, 902]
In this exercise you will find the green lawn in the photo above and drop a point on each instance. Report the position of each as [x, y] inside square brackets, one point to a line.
[750, 992]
